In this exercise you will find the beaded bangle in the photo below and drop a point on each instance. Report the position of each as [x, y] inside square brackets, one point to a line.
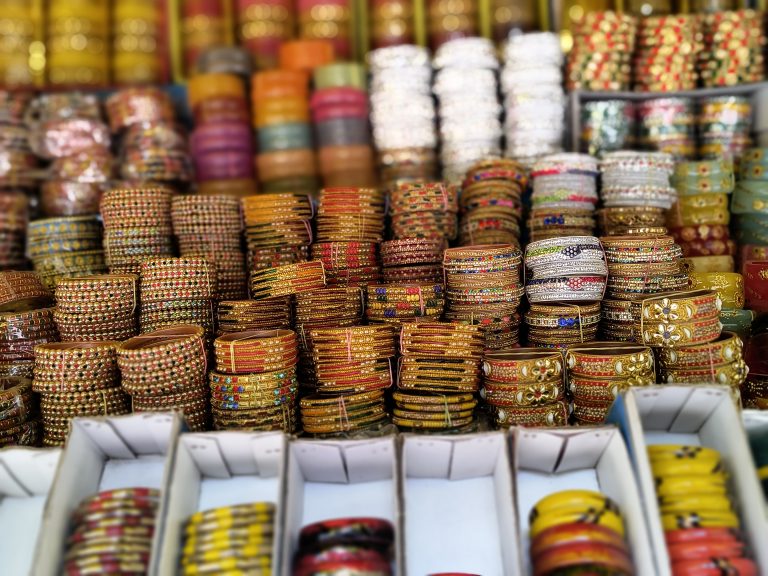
[733, 374]
[727, 348]
[609, 360]
[530, 394]
[549, 415]
[679, 334]
[525, 365]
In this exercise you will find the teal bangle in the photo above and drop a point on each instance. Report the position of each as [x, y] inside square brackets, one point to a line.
[293, 136]
[738, 321]
[703, 169]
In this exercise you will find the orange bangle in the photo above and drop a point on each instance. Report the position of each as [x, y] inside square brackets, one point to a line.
[306, 54]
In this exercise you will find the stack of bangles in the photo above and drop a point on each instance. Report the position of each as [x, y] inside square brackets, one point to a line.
[439, 373]
[20, 422]
[560, 325]
[637, 179]
[287, 280]
[112, 531]
[704, 240]
[599, 372]
[353, 368]
[230, 539]
[211, 227]
[699, 513]
[165, 370]
[20, 332]
[578, 532]
[76, 379]
[642, 265]
[21, 291]
[624, 220]
[571, 268]
[424, 210]
[240, 315]
[350, 215]
[564, 181]
[325, 308]
[616, 322]
[412, 260]
[177, 291]
[555, 222]
[401, 303]
[137, 225]
[677, 319]
[491, 205]
[92, 308]
[66, 246]
[361, 546]
[254, 386]
[525, 387]
[277, 229]
[483, 287]
[719, 362]
[348, 263]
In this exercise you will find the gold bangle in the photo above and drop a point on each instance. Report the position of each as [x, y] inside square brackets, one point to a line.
[727, 348]
[677, 307]
[524, 365]
[728, 285]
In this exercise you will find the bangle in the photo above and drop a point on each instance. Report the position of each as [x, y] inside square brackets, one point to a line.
[733, 374]
[678, 307]
[708, 264]
[680, 334]
[609, 360]
[530, 394]
[573, 288]
[728, 285]
[525, 365]
[549, 415]
[588, 391]
[726, 349]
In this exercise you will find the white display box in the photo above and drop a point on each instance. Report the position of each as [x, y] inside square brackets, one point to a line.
[547, 461]
[458, 511]
[215, 469]
[697, 416]
[26, 477]
[338, 479]
[756, 420]
[105, 454]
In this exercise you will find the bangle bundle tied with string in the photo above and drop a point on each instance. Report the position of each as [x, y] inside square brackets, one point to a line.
[423, 210]
[278, 229]
[639, 266]
[483, 287]
[76, 379]
[137, 225]
[210, 227]
[98, 307]
[240, 315]
[719, 362]
[165, 370]
[25, 321]
[598, 372]
[350, 215]
[525, 387]
[439, 374]
[20, 421]
[569, 268]
[335, 307]
[561, 325]
[67, 246]
[348, 263]
[491, 205]
[564, 196]
[353, 368]
[412, 260]
[177, 291]
[677, 319]
[254, 385]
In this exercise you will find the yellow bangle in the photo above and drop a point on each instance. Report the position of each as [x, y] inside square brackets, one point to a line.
[709, 264]
[600, 516]
[728, 285]
[696, 201]
[692, 519]
[679, 216]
